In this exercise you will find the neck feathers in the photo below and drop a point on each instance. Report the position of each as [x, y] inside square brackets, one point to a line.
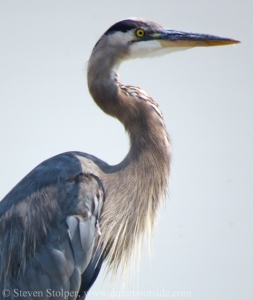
[136, 189]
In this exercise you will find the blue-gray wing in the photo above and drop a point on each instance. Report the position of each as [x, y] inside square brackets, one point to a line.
[58, 228]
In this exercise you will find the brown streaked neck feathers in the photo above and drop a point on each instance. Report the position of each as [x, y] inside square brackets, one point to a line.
[135, 191]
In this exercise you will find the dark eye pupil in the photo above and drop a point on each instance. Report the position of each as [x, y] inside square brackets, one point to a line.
[140, 32]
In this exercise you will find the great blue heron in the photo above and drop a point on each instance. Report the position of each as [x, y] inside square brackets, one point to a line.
[74, 211]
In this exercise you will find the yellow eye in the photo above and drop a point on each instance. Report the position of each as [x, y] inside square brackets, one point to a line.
[140, 32]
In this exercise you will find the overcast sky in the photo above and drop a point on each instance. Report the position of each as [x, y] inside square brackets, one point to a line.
[203, 241]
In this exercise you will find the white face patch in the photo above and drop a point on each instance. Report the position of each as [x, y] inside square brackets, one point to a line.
[120, 38]
[151, 49]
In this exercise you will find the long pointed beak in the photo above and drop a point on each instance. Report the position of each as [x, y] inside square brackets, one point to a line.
[173, 38]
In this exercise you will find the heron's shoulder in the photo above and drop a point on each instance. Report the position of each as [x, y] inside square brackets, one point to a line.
[65, 165]
[52, 174]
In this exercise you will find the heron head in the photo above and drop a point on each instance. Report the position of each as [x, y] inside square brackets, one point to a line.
[137, 38]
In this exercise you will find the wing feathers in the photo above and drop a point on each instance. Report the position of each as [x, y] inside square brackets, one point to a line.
[55, 269]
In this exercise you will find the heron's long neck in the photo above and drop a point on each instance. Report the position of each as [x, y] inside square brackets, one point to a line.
[138, 184]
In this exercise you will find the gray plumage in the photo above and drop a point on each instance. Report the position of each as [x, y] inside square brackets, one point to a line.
[49, 227]
[74, 211]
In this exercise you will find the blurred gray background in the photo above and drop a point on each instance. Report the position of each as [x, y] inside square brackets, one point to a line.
[203, 241]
